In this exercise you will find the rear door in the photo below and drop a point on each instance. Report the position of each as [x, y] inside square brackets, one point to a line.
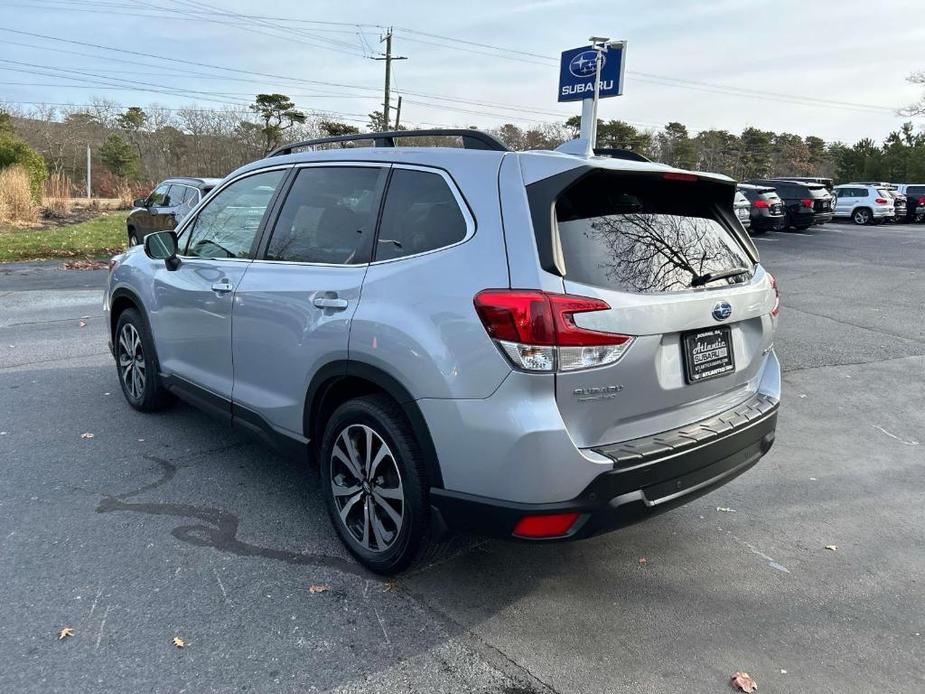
[640, 243]
[293, 309]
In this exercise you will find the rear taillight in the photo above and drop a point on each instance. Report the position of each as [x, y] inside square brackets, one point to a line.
[920, 201]
[763, 204]
[775, 309]
[806, 203]
[546, 525]
[537, 330]
[881, 201]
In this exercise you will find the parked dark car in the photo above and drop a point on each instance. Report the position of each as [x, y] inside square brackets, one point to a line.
[805, 204]
[827, 182]
[915, 201]
[743, 209]
[767, 209]
[166, 206]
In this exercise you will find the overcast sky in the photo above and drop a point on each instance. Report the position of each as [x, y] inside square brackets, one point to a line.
[800, 66]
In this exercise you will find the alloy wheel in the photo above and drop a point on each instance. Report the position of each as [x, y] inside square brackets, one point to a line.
[367, 487]
[861, 217]
[132, 361]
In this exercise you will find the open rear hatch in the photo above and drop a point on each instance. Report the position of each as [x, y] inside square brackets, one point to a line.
[678, 276]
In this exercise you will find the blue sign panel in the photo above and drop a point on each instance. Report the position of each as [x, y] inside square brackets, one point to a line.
[576, 73]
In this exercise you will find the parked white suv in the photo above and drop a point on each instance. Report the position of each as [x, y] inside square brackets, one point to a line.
[863, 203]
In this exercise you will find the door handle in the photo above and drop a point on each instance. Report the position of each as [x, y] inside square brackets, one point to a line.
[222, 286]
[336, 304]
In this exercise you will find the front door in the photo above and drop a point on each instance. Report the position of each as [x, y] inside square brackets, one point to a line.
[293, 308]
[191, 319]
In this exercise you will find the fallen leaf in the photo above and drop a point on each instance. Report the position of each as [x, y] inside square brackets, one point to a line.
[833, 548]
[783, 672]
[178, 642]
[86, 435]
[83, 324]
[743, 682]
[390, 585]
[643, 561]
[65, 632]
[318, 588]
[725, 509]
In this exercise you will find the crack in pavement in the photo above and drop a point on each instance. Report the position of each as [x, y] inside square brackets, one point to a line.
[850, 363]
[857, 325]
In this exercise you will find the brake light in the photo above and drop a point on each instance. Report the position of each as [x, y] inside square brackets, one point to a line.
[763, 204]
[881, 201]
[680, 177]
[549, 525]
[806, 203]
[775, 309]
[537, 330]
[920, 201]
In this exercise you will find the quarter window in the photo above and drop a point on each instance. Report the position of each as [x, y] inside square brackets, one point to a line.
[421, 214]
[226, 227]
[329, 216]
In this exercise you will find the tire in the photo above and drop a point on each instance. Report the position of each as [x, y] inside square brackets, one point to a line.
[862, 216]
[136, 364]
[385, 532]
[132, 238]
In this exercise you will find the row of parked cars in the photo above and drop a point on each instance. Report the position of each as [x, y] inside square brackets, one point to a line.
[778, 204]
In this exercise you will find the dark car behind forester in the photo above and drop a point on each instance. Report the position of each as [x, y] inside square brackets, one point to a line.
[805, 204]
[767, 212]
[166, 206]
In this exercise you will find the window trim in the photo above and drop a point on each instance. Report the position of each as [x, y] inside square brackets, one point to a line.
[461, 202]
[191, 218]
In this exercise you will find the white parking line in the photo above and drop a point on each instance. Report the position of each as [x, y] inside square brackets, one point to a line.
[763, 238]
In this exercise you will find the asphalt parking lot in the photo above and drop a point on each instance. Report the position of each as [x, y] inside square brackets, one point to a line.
[172, 525]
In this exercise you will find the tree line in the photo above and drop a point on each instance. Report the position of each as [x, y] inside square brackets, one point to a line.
[146, 144]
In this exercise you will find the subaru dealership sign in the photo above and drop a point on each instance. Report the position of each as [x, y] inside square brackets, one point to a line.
[578, 68]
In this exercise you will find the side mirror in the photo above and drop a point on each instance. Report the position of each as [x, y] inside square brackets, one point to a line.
[162, 245]
[139, 202]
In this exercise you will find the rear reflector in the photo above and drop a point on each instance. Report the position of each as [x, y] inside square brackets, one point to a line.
[806, 203]
[537, 331]
[549, 525]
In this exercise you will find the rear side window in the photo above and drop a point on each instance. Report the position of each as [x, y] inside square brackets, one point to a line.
[643, 236]
[329, 216]
[915, 190]
[421, 214]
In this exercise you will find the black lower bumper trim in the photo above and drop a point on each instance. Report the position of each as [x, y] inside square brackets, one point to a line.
[656, 483]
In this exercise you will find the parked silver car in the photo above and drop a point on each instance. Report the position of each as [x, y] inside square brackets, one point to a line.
[864, 203]
[529, 345]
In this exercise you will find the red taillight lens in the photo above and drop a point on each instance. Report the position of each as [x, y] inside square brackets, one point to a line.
[763, 204]
[881, 201]
[921, 201]
[806, 203]
[549, 525]
[776, 308]
[537, 329]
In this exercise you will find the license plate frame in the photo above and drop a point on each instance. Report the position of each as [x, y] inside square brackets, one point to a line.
[702, 365]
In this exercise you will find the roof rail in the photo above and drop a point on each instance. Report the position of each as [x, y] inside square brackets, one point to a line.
[471, 139]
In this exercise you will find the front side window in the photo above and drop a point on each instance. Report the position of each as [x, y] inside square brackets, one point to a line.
[421, 214]
[643, 236]
[158, 196]
[329, 216]
[227, 226]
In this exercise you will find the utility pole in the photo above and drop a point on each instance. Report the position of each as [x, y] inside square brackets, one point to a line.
[88, 172]
[398, 112]
[388, 58]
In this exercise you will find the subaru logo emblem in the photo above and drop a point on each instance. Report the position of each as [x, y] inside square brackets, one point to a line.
[583, 64]
[722, 310]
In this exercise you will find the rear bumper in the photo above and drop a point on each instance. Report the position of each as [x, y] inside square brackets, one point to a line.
[823, 217]
[649, 476]
[769, 223]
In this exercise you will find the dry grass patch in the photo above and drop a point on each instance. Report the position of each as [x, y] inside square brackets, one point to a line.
[16, 205]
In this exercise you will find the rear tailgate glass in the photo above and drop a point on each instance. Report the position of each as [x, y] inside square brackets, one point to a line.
[644, 235]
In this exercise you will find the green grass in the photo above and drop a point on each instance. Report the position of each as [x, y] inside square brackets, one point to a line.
[95, 238]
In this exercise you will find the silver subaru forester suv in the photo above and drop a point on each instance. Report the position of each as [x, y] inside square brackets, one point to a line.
[529, 345]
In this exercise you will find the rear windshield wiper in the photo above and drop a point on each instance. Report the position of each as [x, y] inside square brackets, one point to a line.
[706, 278]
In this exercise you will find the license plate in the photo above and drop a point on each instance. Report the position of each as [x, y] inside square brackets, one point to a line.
[707, 353]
